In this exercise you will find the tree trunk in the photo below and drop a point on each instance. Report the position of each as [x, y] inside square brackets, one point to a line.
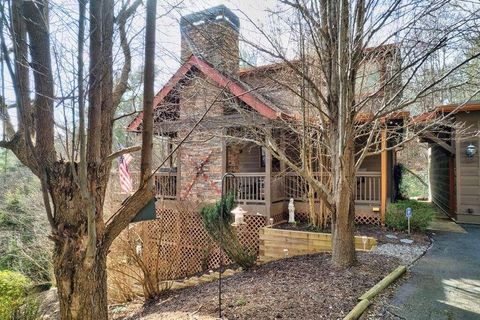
[81, 278]
[81, 285]
[148, 95]
[75, 190]
[343, 211]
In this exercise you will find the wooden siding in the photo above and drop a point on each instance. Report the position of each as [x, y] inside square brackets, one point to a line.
[439, 177]
[249, 159]
[468, 170]
[371, 163]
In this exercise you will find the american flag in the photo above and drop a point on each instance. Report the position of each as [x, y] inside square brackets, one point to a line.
[124, 174]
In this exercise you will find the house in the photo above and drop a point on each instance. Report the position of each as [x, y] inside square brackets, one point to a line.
[205, 86]
[454, 160]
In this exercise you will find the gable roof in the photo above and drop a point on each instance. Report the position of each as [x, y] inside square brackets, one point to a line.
[234, 86]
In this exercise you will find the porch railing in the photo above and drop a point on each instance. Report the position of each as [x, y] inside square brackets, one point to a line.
[368, 187]
[166, 185]
[247, 187]
[250, 187]
[297, 188]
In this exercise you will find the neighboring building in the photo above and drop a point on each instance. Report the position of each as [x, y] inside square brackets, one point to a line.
[209, 75]
[455, 161]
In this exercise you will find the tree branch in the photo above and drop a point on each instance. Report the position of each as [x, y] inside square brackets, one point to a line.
[121, 21]
[120, 219]
[121, 152]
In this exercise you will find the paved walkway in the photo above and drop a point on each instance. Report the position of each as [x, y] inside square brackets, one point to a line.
[445, 283]
[443, 223]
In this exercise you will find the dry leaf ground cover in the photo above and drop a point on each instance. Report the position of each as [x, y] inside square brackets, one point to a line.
[304, 287]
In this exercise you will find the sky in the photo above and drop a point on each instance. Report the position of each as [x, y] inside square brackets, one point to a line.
[168, 30]
[64, 15]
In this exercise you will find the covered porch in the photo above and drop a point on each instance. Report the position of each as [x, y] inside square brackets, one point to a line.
[263, 185]
[260, 193]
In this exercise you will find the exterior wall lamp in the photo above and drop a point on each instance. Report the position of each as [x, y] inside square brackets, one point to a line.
[470, 151]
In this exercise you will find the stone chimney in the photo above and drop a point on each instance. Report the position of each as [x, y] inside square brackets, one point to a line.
[212, 34]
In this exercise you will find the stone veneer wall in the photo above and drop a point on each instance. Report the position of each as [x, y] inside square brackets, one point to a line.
[201, 156]
[201, 170]
[216, 42]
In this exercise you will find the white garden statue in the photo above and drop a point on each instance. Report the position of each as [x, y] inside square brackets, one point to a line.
[291, 212]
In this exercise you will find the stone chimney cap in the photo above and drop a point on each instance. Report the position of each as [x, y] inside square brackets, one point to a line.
[220, 12]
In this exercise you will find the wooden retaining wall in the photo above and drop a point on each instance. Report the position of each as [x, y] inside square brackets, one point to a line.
[274, 241]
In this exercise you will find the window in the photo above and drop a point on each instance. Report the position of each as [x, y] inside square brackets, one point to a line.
[263, 155]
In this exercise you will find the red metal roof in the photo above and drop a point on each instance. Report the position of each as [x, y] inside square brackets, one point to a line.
[232, 85]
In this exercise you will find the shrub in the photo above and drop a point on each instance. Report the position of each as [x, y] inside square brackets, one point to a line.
[218, 225]
[14, 301]
[24, 246]
[423, 214]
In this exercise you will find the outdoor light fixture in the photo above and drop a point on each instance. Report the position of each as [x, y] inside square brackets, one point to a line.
[471, 150]
[364, 241]
[239, 214]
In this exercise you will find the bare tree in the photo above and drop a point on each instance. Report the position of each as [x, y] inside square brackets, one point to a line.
[74, 191]
[358, 68]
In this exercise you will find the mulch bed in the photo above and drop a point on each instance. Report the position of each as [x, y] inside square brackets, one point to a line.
[303, 287]
[378, 232]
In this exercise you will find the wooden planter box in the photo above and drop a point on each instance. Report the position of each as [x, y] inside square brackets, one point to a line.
[274, 241]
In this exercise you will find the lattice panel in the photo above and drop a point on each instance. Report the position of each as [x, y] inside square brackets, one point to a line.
[177, 244]
[360, 218]
[367, 219]
[248, 234]
[302, 216]
[279, 217]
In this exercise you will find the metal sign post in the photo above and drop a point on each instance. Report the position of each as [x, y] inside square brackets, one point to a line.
[408, 214]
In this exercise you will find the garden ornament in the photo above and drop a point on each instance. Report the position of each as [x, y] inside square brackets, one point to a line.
[238, 213]
[291, 212]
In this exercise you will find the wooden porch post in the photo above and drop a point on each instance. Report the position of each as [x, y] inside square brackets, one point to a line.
[283, 145]
[179, 174]
[384, 175]
[224, 156]
[268, 179]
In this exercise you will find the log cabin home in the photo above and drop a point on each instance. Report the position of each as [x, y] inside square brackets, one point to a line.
[454, 162]
[210, 75]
